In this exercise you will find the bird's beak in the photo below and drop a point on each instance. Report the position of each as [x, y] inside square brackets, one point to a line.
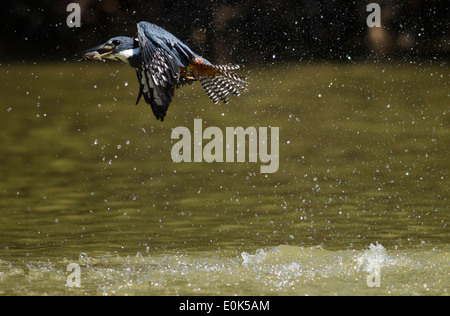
[98, 52]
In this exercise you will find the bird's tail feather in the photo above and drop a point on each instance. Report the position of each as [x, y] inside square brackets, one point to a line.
[223, 83]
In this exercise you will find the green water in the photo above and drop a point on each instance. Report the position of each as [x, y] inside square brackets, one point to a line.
[87, 178]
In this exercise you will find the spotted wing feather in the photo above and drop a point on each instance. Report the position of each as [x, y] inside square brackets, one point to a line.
[159, 70]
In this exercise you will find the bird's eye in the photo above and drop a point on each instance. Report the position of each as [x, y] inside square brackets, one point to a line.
[116, 42]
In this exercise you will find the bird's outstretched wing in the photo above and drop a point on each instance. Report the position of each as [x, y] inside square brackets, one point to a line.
[159, 71]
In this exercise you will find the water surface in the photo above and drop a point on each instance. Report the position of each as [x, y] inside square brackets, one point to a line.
[87, 177]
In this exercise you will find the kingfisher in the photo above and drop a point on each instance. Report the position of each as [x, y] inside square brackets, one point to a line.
[164, 63]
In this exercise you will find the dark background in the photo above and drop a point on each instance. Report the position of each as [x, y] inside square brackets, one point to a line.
[240, 31]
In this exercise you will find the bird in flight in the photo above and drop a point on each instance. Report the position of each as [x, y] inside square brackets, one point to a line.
[164, 63]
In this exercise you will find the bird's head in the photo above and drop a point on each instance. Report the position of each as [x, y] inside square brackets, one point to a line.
[117, 48]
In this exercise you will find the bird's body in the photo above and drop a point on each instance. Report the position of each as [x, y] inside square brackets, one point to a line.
[164, 63]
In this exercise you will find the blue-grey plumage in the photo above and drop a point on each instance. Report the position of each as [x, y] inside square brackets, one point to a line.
[163, 63]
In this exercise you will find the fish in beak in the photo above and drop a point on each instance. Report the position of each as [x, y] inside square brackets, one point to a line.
[98, 52]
